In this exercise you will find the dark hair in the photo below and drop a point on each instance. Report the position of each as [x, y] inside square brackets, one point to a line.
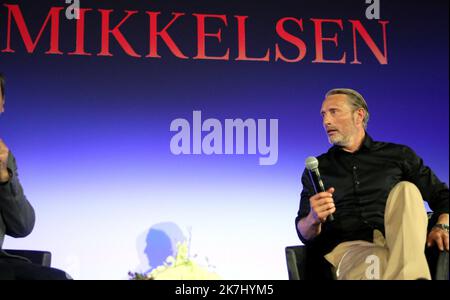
[2, 85]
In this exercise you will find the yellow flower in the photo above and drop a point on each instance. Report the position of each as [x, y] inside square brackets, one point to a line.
[182, 267]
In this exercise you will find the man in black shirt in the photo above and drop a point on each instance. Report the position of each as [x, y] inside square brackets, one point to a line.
[375, 192]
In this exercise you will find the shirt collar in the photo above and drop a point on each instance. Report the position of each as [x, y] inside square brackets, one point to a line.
[366, 144]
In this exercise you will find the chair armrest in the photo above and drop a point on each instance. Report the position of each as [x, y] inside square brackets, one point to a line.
[306, 264]
[442, 266]
[292, 253]
[42, 258]
[302, 265]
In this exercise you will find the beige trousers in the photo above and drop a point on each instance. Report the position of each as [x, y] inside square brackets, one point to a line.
[399, 255]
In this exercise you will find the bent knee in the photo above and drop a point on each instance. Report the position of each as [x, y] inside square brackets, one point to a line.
[406, 185]
[405, 190]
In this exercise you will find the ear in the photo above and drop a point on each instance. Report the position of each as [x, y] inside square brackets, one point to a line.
[360, 113]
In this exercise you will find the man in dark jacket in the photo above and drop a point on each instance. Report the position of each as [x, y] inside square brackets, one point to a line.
[17, 217]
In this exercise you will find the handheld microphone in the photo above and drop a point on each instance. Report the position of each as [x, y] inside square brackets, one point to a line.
[312, 164]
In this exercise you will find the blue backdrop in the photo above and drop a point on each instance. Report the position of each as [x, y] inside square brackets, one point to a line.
[91, 134]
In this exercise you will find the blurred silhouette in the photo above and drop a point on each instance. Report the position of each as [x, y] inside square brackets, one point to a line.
[158, 243]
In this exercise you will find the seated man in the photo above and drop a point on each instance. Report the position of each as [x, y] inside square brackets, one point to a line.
[375, 191]
[16, 217]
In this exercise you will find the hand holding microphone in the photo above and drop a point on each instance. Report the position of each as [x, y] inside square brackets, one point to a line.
[322, 204]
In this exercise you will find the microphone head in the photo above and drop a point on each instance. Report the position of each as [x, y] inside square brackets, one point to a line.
[312, 163]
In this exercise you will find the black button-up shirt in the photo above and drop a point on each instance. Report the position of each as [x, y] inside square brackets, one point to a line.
[362, 182]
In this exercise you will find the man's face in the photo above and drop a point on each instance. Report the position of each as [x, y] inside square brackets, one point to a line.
[339, 120]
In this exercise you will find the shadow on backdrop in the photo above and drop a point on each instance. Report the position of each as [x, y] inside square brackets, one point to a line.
[156, 244]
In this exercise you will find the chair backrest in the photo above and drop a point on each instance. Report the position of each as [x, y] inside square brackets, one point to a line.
[43, 258]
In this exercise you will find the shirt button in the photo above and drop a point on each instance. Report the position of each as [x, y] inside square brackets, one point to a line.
[357, 182]
[355, 167]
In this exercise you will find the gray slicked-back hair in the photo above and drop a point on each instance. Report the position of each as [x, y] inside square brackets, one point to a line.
[355, 99]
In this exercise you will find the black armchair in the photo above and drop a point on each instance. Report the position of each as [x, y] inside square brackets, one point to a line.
[43, 258]
[40, 269]
[300, 267]
[303, 264]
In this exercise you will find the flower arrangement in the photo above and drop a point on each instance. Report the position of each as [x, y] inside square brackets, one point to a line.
[180, 267]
